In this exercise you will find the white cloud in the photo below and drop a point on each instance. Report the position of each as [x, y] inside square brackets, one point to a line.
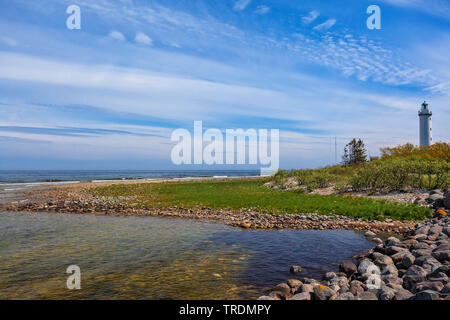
[310, 17]
[241, 5]
[326, 25]
[116, 35]
[142, 38]
[8, 41]
[262, 9]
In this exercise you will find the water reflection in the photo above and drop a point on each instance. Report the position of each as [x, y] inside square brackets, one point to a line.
[156, 258]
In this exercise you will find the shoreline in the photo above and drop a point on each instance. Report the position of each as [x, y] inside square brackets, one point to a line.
[68, 199]
[414, 268]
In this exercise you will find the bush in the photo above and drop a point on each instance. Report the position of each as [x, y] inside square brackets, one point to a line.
[397, 174]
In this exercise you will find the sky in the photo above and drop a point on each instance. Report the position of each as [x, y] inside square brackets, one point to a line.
[109, 95]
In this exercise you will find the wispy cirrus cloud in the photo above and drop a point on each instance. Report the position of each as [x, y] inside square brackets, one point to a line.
[142, 38]
[326, 25]
[262, 9]
[116, 35]
[241, 5]
[312, 15]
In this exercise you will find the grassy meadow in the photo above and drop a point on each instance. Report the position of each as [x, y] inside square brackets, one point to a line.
[242, 194]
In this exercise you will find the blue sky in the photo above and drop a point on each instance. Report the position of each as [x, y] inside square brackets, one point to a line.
[109, 95]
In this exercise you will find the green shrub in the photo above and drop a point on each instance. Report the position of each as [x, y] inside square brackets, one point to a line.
[397, 174]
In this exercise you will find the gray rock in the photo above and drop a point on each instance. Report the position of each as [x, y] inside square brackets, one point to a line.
[390, 269]
[328, 276]
[366, 295]
[410, 281]
[415, 270]
[370, 234]
[392, 241]
[426, 295]
[377, 240]
[446, 289]
[443, 255]
[397, 258]
[323, 292]
[348, 267]
[436, 229]
[395, 249]
[301, 296]
[403, 294]
[305, 288]
[447, 200]
[383, 261]
[364, 265]
[356, 287]
[266, 298]
[295, 269]
[408, 260]
[386, 293]
[345, 296]
[429, 285]
[294, 284]
[283, 288]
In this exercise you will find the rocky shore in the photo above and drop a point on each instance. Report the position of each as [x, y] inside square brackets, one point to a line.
[416, 267]
[71, 200]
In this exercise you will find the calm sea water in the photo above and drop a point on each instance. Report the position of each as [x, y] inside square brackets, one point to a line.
[31, 176]
[157, 258]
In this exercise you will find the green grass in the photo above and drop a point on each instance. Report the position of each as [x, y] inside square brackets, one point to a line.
[245, 194]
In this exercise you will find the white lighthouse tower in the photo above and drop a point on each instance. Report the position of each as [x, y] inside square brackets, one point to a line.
[425, 125]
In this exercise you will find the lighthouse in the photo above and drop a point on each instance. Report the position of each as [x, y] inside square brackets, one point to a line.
[425, 125]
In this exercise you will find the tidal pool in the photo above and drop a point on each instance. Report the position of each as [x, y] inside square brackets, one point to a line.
[157, 258]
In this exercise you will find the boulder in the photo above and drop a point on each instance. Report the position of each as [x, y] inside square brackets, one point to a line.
[426, 295]
[447, 200]
[389, 269]
[356, 287]
[328, 276]
[301, 296]
[322, 292]
[266, 298]
[392, 241]
[407, 260]
[348, 267]
[429, 285]
[416, 270]
[294, 284]
[442, 255]
[377, 240]
[446, 289]
[403, 294]
[410, 281]
[283, 288]
[386, 293]
[295, 269]
[370, 234]
[364, 265]
[395, 249]
[383, 261]
[305, 288]
[366, 295]
[345, 296]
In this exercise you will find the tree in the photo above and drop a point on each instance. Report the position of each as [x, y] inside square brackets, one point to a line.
[354, 152]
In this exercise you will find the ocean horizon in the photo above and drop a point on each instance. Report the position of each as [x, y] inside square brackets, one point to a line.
[62, 176]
